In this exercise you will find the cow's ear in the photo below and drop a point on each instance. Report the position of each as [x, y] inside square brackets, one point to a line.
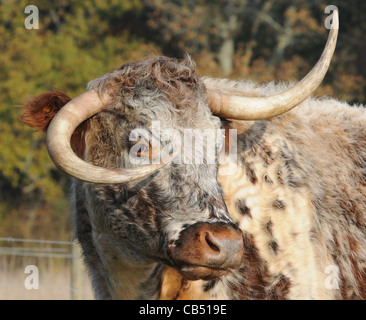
[40, 110]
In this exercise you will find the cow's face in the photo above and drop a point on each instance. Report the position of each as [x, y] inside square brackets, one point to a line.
[176, 215]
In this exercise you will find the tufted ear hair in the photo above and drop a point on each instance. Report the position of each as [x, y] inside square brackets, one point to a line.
[40, 110]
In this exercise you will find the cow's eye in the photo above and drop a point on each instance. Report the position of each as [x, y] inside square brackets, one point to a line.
[144, 150]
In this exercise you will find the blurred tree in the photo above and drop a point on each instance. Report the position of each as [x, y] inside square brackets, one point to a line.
[196, 26]
[77, 41]
[262, 39]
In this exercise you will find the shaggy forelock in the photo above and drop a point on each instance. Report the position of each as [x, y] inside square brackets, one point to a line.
[159, 88]
[174, 78]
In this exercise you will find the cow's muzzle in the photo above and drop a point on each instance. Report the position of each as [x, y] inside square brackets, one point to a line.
[207, 250]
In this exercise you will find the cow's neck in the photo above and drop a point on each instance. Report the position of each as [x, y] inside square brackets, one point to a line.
[125, 280]
[129, 282]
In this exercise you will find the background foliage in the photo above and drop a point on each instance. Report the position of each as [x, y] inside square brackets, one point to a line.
[77, 41]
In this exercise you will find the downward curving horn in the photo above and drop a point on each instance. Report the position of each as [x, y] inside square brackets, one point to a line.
[59, 134]
[257, 108]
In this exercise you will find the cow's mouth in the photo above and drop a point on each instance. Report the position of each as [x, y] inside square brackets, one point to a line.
[193, 272]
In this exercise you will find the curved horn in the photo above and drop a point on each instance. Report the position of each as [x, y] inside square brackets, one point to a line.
[59, 134]
[258, 108]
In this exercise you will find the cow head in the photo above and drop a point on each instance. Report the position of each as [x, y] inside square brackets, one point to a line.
[175, 214]
[161, 210]
[167, 209]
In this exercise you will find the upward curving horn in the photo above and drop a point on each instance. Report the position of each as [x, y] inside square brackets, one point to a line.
[59, 134]
[258, 108]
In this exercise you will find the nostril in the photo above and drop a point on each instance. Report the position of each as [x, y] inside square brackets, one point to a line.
[210, 242]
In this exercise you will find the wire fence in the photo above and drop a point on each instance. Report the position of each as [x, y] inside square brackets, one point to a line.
[58, 263]
[44, 252]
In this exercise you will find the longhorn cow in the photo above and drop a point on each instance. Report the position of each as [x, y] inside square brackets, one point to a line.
[286, 220]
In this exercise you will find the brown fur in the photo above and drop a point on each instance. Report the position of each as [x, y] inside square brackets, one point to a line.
[40, 110]
[258, 282]
[164, 74]
[175, 287]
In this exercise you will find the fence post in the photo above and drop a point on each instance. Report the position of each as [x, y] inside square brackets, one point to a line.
[76, 286]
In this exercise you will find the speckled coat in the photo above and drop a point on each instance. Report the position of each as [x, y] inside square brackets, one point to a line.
[297, 192]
